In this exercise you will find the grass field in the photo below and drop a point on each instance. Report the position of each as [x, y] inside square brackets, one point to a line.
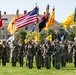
[9, 70]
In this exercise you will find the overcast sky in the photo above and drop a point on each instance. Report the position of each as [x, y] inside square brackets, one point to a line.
[63, 8]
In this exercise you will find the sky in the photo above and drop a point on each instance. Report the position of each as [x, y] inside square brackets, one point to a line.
[63, 8]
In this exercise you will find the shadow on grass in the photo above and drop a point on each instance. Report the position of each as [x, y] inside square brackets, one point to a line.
[69, 69]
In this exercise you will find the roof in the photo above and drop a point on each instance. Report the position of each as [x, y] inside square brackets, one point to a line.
[9, 17]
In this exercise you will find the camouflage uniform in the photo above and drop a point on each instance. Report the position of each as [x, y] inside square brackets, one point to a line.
[57, 57]
[47, 55]
[8, 52]
[38, 56]
[14, 53]
[21, 49]
[64, 56]
[4, 53]
[0, 53]
[70, 52]
[74, 47]
[30, 53]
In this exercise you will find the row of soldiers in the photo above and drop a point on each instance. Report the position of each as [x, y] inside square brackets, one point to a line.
[43, 51]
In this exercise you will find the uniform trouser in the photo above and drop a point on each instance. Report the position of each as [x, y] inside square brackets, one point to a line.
[38, 61]
[70, 57]
[67, 57]
[57, 62]
[47, 61]
[42, 61]
[21, 59]
[63, 60]
[13, 61]
[30, 61]
[4, 60]
[53, 60]
[74, 61]
[8, 56]
[0, 60]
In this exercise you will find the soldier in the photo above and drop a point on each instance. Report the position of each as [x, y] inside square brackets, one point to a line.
[26, 49]
[75, 58]
[70, 52]
[47, 54]
[58, 52]
[21, 49]
[64, 55]
[38, 55]
[0, 53]
[14, 53]
[8, 52]
[42, 51]
[74, 47]
[53, 53]
[30, 53]
[4, 53]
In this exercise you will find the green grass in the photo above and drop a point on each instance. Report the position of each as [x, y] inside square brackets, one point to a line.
[9, 70]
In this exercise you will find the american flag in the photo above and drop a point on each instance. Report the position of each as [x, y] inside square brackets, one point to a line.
[27, 19]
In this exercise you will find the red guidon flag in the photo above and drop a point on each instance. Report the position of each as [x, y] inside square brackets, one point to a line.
[0, 22]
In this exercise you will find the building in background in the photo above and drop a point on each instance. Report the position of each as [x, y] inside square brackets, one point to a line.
[8, 17]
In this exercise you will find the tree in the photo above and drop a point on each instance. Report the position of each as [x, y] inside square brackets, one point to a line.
[20, 35]
[43, 35]
[51, 31]
[71, 33]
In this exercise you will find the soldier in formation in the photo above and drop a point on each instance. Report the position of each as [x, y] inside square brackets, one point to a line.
[64, 53]
[14, 53]
[21, 49]
[47, 54]
[74, 47]
[38, 55]
[59, 53]
[30, 54]
[0, 53]
[4, 53]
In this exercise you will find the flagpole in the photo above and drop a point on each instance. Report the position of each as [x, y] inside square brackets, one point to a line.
[54, 23]
[47, 17]
[37, 22]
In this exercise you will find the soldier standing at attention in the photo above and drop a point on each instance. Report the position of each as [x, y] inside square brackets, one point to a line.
[4, 53]
[0, 53]
[21, 49]
[74, 47]
[70, 52]
[58, 52]
[47, 54]
[14, 53]
[38, 55]
[53, 53]
[64, 56]
[30, 53]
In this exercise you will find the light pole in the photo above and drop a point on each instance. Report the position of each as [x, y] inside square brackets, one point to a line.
[4, 29]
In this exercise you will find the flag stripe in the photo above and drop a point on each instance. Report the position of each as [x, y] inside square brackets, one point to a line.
[25, 24]
[27, 19]
[21, 18]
